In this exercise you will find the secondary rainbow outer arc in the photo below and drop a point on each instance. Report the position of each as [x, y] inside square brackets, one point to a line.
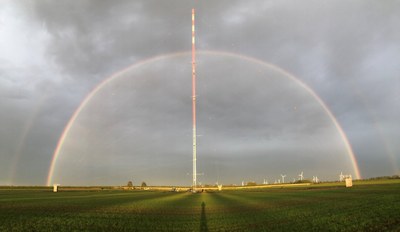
[21, 142]
[140, 63]
[378, 127]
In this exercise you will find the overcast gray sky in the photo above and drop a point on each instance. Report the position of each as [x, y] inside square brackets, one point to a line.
[254, 121]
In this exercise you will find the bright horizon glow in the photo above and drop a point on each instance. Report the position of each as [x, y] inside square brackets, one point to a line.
[103, 83]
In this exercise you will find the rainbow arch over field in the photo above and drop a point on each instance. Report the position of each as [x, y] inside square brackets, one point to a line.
[115, 76]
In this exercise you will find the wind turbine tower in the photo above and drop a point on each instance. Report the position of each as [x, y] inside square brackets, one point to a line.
[194, 102]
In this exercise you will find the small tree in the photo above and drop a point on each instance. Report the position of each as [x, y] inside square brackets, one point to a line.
[144, 184]
[130, 184]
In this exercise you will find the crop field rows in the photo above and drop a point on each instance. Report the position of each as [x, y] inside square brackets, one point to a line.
[361, 208]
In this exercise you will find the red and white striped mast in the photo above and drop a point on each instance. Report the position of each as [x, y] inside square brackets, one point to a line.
[194, 102]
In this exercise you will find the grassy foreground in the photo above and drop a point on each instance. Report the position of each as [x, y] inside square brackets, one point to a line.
[365, 207]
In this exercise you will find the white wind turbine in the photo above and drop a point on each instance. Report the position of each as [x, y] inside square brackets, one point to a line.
[283, 178]
[301, 176]
[341, 176]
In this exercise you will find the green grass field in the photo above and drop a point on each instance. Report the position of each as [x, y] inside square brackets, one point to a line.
[369, 206]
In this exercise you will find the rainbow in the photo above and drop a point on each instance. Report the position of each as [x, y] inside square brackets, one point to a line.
[114, 76]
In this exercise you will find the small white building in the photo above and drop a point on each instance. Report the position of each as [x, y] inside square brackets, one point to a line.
[349, 181]
[55, 187]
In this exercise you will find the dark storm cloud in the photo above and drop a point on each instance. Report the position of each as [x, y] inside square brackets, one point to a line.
[56, 51]
[98, 37]
[330, 46]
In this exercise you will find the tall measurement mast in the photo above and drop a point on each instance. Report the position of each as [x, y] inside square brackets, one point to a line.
[194, 102]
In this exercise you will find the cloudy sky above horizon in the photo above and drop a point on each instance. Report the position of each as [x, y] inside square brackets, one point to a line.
[254, 121]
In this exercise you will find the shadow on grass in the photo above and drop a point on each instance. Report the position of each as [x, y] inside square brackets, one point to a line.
[203, 219]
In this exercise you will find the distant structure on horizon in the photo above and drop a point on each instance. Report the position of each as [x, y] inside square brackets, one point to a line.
[194, 102]
[55, 187]
[301, 176]
[283, 178]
